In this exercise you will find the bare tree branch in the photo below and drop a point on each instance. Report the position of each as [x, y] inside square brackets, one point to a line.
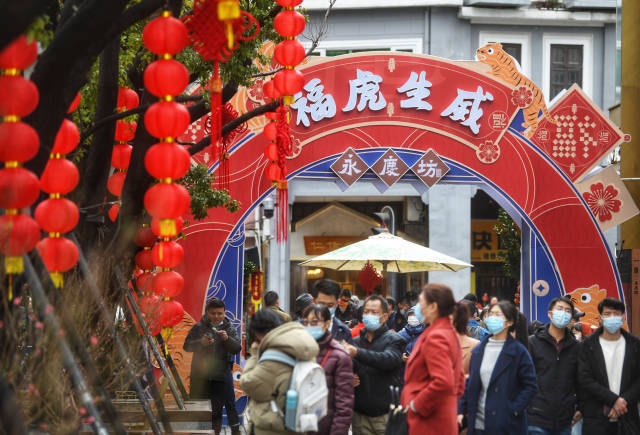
[315, 37]
[230, 126]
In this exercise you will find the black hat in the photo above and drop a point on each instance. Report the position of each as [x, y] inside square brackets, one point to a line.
[577, 314]
[301, 303]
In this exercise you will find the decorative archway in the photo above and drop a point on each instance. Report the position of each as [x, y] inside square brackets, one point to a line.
[474, 122]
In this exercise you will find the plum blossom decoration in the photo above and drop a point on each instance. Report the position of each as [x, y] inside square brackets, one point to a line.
[602, 201]
[522, 97]
[488, 152]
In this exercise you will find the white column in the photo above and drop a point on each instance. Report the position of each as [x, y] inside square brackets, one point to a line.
[450, 232]
[278, 278]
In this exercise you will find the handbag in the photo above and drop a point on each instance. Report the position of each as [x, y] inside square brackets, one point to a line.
[397, 423]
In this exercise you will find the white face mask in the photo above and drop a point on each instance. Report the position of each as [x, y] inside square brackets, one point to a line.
[413, 321]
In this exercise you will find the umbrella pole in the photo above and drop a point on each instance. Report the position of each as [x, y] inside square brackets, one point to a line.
[384, 278]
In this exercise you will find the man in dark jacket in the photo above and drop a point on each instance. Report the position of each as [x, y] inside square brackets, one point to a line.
[346, 311]
[377, 356]
[608, 375]
[326, 292]
[554, 352]
[214, 341]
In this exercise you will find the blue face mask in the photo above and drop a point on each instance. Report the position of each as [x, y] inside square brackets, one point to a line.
[612, 324]
[315, 331]
[332, 311]
[560, 318]
[371, 322]
[418, 312]
[494, 324]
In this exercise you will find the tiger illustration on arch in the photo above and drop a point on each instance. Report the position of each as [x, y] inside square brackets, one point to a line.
[504, 67]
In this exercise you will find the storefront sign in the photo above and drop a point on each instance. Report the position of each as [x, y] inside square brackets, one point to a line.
[349, 167]
[484, 241]
[430, 168]
[321, 245]
[389, 168]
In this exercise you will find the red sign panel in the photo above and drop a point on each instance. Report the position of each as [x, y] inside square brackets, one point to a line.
[389, 168]
[349, 167]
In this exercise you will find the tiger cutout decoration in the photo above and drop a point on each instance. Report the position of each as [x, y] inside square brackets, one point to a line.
[586, 300]
[504, 67]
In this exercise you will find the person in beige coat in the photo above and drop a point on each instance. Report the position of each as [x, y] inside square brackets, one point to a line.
[269, 380]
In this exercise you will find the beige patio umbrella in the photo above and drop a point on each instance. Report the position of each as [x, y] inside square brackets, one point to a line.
[389, 253]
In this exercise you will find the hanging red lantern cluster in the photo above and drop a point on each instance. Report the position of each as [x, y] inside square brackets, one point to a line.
[369, 278]
[149, 303]
[57, 215]
[121, 155]
[215, 28]
[167, 161]
[19, 143]
[289, 53]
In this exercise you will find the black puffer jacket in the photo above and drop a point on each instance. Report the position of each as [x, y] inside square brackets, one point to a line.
[379, 365]
[557, 373]
[211, 361]
[593, 391]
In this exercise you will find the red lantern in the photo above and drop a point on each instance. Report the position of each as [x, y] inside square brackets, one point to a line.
[125, 131]
[143, 282]
[269, 89]
[57, 215]
[149, 304]
[289, 81]
[167, 227]
[20, 54]
[273, 172]
[115, 183]
[270, 131]
[67, 138]
[75, 103]
[127, 99]
[58, 254]
[19, 141]
[289, 23]
[288, 3]
[18, 96]
[170, 313]
[289, 52]
[167, 254]
[271, 152]
[59, 176]
[165, 35]
[166, 160]
[166, 77]
[167, 284]
[18, 188]
[144, 237]
[18, 234]
[167, 200]
[121, 156]
[144, 259]
[167, 119]
[113, 212]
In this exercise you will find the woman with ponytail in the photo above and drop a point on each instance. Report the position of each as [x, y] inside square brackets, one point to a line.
[434, 378]
[502, 380]
[460, 322]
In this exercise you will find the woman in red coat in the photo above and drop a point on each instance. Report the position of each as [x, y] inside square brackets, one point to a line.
[434, 376]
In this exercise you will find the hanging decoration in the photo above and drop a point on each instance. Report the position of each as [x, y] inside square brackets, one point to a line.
[256, 288]
[149, 302]
[369, 278]
[121, 155]
[167, 161]
[57, 215]
[215, 28]
[19, 143]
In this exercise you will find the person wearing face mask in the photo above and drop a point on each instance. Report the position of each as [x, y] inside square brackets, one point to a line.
[411, 332]
[434, 378]
[609, 375]
[214, 341]
[346, 311]
[326, 292]
[502, 380]
[554, 351]
[338, 369]
[377, 354]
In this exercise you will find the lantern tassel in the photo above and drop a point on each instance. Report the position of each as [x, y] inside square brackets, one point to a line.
[13, 265]
[282, 223]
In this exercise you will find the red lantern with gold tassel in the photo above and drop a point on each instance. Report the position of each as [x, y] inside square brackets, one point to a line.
[215, 28]
[19, 142]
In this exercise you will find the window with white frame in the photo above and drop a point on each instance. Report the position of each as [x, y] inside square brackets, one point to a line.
[566, 59]
[517, 45]
[336, 48]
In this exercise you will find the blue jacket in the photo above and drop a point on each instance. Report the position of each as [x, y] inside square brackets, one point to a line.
[512, 386]
[476, 330]
[410, 334]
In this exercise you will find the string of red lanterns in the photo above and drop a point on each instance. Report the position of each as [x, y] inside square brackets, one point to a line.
[121, 155]
[167, 161]
[19, 143]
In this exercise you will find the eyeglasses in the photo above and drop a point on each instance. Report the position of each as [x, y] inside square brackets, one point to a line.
[311, 323]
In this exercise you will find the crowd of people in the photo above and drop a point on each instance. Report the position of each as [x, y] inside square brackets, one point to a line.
[461, 367]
